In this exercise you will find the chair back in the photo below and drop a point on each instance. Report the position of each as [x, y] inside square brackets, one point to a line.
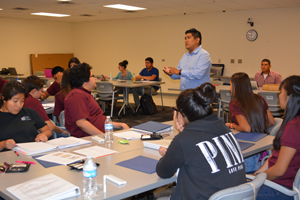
[244, 191]
[225, 97]
[62, 118]
[272, 99]
[296, 185]
[105, 88]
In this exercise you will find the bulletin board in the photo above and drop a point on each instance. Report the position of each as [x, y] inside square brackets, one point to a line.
[39, 62]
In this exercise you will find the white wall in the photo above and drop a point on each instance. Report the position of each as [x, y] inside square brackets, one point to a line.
[103, 44]
[20, 38]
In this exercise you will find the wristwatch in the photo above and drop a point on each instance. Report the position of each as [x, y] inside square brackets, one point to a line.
[179, 72]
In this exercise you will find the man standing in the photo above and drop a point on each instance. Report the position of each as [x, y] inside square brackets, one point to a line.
[149, 73]
[266, 75]
[83, 115]
[194, 66]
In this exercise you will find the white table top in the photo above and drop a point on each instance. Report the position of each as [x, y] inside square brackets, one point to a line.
[137, 182]
[130, 84]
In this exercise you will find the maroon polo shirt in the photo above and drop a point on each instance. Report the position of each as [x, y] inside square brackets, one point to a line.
[80, 104]
[59, 103]
[54, 88]
[290, 138]
[2, 83]
[36, 105]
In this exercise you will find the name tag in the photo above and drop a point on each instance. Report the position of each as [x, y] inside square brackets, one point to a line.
[25, 118]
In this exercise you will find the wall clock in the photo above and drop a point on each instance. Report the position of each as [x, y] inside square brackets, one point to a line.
[251, 35]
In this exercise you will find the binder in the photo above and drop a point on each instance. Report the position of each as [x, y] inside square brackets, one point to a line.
[152, 127]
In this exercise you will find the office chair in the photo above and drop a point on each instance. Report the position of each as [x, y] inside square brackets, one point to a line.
[272, 100]
[224, 100]
[106, 93]
[244, 191]
[292, 193]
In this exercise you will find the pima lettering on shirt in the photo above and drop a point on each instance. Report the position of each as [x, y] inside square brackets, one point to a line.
[25, 118]
[234, 160]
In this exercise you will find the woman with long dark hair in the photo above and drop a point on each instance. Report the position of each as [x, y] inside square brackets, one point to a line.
[200, 151]
[73, 61]
[19, 124]
[283, 164]
[249, 113]
[60, 97]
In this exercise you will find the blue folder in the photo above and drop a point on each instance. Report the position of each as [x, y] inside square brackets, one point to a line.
[245, 145]
[46, 164]
[251, 137]
[140, 163]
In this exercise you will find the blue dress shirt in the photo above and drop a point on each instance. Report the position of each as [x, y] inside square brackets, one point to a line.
[195, 69]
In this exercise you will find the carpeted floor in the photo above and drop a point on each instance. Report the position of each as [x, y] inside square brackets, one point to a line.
[131, 120]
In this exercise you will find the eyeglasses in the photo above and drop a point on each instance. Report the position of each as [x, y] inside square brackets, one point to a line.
[92, 76]
[175, 109]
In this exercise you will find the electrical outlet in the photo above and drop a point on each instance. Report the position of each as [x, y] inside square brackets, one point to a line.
[231, 60]
[162, 60]
[219, 60]
[240, 61]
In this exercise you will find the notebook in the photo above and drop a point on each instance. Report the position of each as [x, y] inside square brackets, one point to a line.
[45, 187]
[151, 126]
[31, 148]
[245, 145]
[156, 144]
[251, 137]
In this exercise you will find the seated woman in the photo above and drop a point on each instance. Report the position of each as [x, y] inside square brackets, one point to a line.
[201, 150]
[124, 74]
[283, 164]
[60, 97]
[73, 61]
[249, 112]
[19, 124]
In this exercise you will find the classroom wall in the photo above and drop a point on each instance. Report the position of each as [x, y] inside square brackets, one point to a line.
[103, 44]
[20, 38]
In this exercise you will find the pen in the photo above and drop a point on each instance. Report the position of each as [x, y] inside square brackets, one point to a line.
[26, 162]
[17, 153]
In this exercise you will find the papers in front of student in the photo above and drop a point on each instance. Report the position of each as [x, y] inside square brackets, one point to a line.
[31, 148]
[95, 151]
[61, 158]
[62, 143]
[46, 187]
[151, 127]
[156, 144]
[129, 135]
[48, 105]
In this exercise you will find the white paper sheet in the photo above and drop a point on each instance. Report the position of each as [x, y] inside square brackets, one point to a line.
[95, 151]
[47, 187]
[129, 135]
[48, 104]
[61, 158]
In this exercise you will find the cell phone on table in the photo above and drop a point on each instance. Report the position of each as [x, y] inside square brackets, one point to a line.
[103, 78]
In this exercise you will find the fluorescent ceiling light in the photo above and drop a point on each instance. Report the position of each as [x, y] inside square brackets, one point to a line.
[124, 7]
[64, 0]
[1, 9]
[50, 14]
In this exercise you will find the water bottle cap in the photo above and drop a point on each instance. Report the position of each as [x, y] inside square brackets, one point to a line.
[107, 117]
[89, 157]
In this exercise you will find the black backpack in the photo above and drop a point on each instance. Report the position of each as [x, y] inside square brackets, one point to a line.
[147, 104]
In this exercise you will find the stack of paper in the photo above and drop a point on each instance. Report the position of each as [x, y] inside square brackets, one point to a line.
[152, 127]
[95, 151]
[61, 158]
[45, 187]
[156, 144]
[31, 148]
[129, 135]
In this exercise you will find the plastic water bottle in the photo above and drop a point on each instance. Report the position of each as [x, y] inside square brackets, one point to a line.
[110, 77]
[90, 186]
[133, 78]
[109, 130]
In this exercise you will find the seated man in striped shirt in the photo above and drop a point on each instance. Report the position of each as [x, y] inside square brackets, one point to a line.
[266, 75]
